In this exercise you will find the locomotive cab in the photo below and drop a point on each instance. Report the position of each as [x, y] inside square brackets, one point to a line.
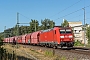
[66, 37]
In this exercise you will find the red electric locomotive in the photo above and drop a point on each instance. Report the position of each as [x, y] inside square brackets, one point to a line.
[57, 36]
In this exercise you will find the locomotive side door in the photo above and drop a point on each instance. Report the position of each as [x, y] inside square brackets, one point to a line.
[38, 37]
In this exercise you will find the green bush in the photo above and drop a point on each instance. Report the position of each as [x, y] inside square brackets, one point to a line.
[63, 58]
[88, 45]
[1, 41]
[89, 42]
[78, 43]
[48, 53]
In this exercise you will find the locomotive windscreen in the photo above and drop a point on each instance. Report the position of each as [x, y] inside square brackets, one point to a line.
[63, 31]
[68, 31]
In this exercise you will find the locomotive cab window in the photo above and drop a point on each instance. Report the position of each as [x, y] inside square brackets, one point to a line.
[68, 31]
[62, 31]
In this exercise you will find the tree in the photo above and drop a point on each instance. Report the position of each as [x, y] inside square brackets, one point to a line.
[1, 48]
[65, 23]
[51, 23]
[28, 29]
[1, 41]
[15, 30]
[23, 30]
[88, 33]
[34, 25]
[7, 32]
[3, 53]
[47, 24]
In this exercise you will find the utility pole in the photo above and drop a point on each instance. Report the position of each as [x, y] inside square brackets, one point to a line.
[4, 31]
[17, 23]
[17, 33]
[84, 27]
[35, 25]
[52, 24]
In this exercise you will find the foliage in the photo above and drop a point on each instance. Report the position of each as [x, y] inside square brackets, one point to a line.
[48, 53]
[34, 26]
[88, 33]
[1, 41]
[85, 27]
[2, 50]
[57, 58]
[47, 24]
[78, 43]
[65, 23]
[2, 53]
[23, 30]
[63, 58]
[2, 34]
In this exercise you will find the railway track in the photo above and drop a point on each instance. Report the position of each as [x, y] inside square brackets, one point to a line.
[70, 54]
[85, 51]
[79, 50]
[76, 53]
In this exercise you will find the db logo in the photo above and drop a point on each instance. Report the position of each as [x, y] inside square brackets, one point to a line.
[66, 36]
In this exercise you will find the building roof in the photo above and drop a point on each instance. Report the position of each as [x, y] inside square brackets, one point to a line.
[77, 22]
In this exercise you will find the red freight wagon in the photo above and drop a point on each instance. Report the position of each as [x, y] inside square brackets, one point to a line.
[58, 36]
[23, 38]
[28, 38]
[16, 38]
[35, 37]
[6, 40]
[19, 39]
[11, 39]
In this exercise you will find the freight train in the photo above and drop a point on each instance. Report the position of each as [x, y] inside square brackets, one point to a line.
[54, 37]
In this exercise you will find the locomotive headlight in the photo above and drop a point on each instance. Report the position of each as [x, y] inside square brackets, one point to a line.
[70, 36]
[71, 39]
[61, 36]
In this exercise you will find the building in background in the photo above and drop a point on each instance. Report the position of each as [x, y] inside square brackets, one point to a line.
[78, 31]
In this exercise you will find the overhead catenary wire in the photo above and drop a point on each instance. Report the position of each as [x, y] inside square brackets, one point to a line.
[72, 12]
[60, 17]
[66, 8]
[78, 15]
[24, 16]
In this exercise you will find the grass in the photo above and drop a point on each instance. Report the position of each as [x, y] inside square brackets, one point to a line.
[63, 58]
[75, 59]
[34, 51]
[88, 45]
[49, 53]
[40, 54]
[78, 43]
